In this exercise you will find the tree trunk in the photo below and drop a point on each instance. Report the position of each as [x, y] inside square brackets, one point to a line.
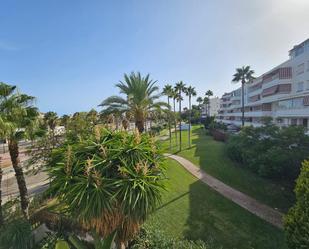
[243, 103]
[1, 215]
[169, 122]
[189, 134]
[14, 153]
[179, 120]
[140, 125]
[175, 119]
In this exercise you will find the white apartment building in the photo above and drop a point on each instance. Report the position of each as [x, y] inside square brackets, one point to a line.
[281, 93]
[214, 107]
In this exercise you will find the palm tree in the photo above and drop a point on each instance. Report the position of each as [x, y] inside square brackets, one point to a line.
[175, 96]
[243, 75]
[17, 115]
[199, 100]
[180, 88]
[140, 96]
[190, 91]
[51, 119]
[168, 91]
[209, 93]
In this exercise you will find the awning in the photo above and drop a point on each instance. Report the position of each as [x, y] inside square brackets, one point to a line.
[270, 91]
[284, 88]
[306, 100]
[255, 98]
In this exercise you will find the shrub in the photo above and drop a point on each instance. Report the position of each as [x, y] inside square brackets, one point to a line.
[16, 234]
[270, 151]
[219, 135]
[296, 222]
[151, 238]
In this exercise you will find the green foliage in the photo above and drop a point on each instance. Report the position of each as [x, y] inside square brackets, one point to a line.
[112, 180]
[16, 234]
[296, 222]
[270, 151]
[151, 238]
[140, 98]
[62, 244]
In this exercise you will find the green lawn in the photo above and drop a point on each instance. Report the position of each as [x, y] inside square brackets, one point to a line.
[192, 210]
[210, 156]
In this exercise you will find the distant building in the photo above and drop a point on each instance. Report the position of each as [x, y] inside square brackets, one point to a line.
[213, 108]
[281, 93]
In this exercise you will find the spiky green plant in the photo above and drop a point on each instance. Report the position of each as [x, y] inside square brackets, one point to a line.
[112, 181]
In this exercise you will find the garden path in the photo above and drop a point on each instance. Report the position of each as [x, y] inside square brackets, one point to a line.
[261, 210]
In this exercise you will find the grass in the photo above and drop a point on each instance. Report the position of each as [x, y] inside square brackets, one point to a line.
[211, 157]
[192, 210]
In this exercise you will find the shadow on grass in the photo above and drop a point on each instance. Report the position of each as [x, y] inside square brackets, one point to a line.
[220, 222]
[212, 157]
[172, 201]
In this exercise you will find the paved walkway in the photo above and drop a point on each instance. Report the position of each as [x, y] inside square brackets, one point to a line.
[266, 213]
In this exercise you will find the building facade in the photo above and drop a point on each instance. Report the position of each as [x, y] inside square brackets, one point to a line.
[213, 108]
[281, 93]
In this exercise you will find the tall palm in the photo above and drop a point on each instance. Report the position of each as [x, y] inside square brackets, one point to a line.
[180, 88]
[199, 100]
[140, 98]
[209, 93]
[168, 91]
[190, 91]
[243, 75]
[51, 119]
[17, 115]
[174, 96]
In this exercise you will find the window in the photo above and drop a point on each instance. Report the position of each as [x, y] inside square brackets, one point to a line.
[296, 103]
[294, 121]
[300, 86]
[307, 85]
[307, 65]
[300, 68]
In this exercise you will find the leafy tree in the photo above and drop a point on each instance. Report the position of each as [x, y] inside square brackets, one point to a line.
[111, 181]
[180, 88]
[296, 222]
[190, 91]
[17, 116]
[64, 120]
[92, 117]
[140, 98]
[243, 75]
[168, 91]
[78, 127]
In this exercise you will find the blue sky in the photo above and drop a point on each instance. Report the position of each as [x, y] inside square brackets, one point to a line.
[69, 54]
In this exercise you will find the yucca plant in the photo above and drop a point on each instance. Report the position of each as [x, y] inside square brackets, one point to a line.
[111, 181]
